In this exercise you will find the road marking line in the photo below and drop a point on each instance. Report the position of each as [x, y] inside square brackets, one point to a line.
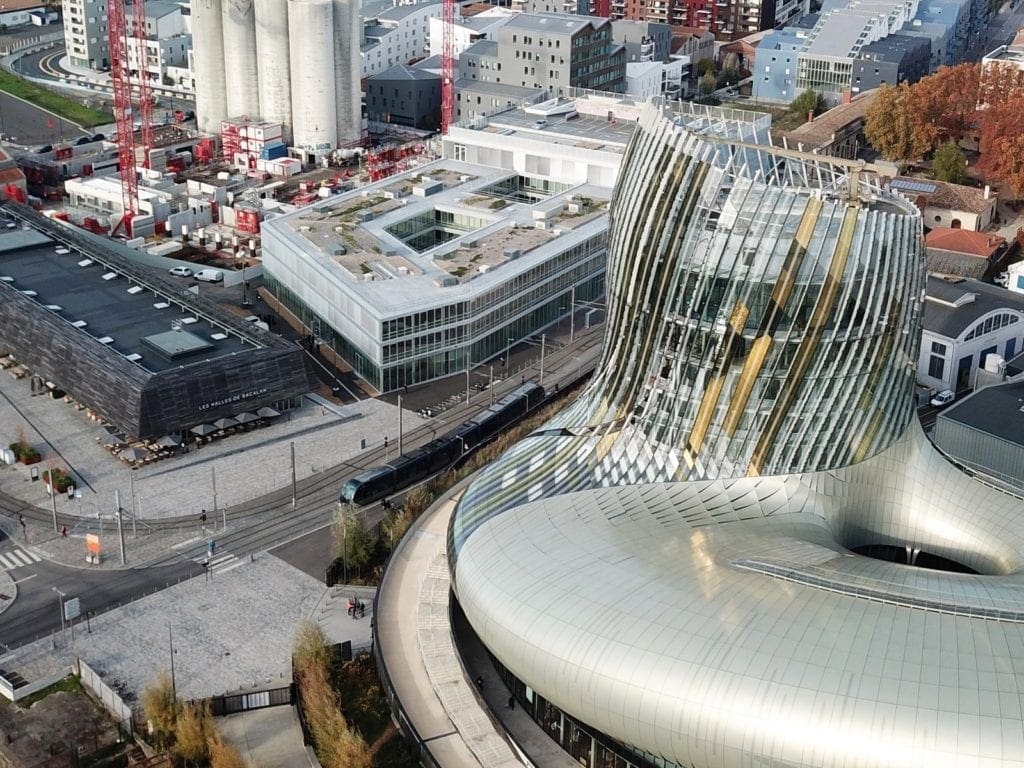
[6, 565]
[20, 554]
[35, 558]
[18, 581]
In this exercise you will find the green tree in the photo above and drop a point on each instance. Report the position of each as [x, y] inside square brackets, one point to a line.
[808, 101]
[396, 523]
[949, 163]
[350, 540]
[704, 66]
[160, 706]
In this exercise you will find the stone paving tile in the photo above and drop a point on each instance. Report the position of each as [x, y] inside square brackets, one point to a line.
[234, 631]
[246, 465]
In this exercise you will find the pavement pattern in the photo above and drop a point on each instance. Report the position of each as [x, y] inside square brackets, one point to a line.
[229, 631]
[242, 466]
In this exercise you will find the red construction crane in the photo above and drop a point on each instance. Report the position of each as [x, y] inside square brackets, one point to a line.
[145, 97]
[123, 117]
[448, 65]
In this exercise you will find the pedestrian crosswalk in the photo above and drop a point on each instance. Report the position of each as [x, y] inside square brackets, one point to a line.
[17, 558]
[224, 561]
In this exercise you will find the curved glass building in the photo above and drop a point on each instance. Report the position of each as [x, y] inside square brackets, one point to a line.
[670, 564]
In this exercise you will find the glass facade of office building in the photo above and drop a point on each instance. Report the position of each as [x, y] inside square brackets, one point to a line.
[449, 337]
[671, 566]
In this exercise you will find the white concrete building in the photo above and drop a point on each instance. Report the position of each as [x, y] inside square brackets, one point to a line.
[646, 79]
[166, 61]
[467, 30]
[397, 35]
[496, 241]
[964, 322]
[85, 33]
[15, 13]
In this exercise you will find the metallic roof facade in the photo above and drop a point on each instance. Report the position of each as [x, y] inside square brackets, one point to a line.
[669, 560]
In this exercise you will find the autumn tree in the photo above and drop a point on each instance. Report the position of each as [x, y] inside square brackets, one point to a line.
[1004, 161]
[1000, 82]
[193, 732]
[396, 522]
[708, 83]
[945, 104]
[350, 540]
[223, 755]
[949, 164]
[310, 645]
[890, 125]
[160, 706]
[705, 66]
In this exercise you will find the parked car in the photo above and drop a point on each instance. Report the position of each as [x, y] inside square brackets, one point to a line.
[209, 275]
[943, 398]
[180, 271]
[1003, 279]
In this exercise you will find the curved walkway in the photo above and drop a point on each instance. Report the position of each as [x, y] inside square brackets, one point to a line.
[433, 691]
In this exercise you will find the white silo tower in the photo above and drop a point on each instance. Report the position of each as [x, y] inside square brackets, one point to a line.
[239, 20]
[273, 63]
[348, 38]
[208, 52]
[311, 32]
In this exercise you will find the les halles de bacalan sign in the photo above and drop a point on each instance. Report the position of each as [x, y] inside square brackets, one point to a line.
[233, 399]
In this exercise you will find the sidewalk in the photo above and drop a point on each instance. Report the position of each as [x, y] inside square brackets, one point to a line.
[266, 738]
[455, 723]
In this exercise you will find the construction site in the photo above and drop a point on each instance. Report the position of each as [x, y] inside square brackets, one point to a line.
[199, 191]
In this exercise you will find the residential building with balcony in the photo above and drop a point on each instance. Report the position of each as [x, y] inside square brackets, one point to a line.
[85, 33]
[536, 56]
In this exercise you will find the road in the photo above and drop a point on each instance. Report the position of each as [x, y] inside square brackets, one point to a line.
[268, 523]
[35, 614]
[28, 125]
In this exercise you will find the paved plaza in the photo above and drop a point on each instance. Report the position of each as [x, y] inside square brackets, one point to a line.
[243, 465]
[231, 632]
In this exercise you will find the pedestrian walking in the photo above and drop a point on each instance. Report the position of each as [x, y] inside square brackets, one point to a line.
[480, 683]
[63, 531]
[511, 702]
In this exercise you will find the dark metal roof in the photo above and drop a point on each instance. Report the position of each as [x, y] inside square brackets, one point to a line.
[996, 410]
[945, 319]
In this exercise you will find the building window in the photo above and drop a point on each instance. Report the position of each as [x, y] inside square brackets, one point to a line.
[936, 366]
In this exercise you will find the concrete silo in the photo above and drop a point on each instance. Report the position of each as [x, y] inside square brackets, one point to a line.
[272, 61]
[347, 70]
[208, 51]
[311, 37]
[239, 20]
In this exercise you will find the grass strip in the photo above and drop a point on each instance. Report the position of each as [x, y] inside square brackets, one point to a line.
[54, 102]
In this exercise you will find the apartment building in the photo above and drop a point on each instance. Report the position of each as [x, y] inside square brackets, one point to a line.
[85, 33]
[538, 53]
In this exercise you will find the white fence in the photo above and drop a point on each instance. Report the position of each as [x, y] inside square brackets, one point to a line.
[113, 703]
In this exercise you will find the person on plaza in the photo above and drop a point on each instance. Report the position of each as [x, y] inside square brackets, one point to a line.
[63, 531]
[511, 702]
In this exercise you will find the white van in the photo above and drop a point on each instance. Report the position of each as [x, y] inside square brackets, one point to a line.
[209, 275]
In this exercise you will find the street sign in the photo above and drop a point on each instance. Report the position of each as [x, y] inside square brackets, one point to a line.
[72, 609]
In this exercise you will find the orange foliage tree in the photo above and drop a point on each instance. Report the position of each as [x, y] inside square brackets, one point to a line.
[1002, 144]
[891, 124]
[945, 104]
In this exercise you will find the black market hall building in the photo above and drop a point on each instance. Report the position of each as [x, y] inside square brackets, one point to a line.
[137, 348]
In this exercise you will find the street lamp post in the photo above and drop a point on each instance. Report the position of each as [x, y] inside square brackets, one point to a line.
[508, 350]
[572, 315]
[60, 607]
[543, 340]
[400, 433]
[490, 383]
[170, 639]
